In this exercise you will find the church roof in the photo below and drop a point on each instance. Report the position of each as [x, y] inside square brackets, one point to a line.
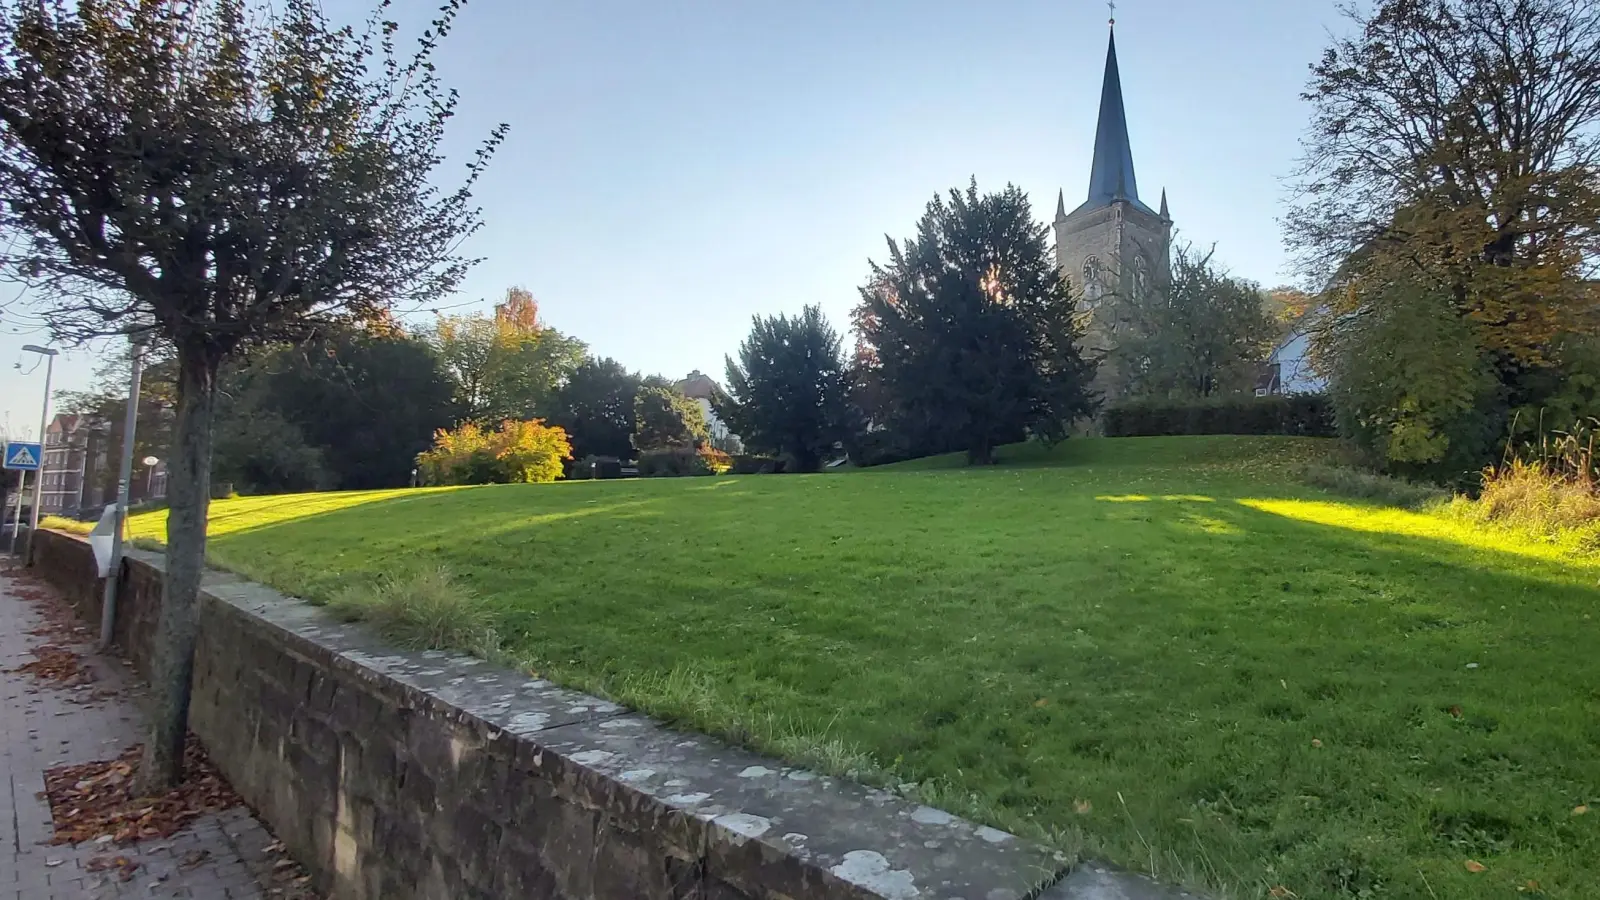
[1111, 178]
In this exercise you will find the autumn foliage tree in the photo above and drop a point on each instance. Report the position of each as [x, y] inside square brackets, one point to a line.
[505, 365]
[1453, 162]
[215, 174]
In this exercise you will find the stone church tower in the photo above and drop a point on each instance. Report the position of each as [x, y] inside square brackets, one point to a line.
[1113, 246]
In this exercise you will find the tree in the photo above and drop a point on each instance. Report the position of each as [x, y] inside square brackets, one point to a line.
[788, 388]
[369, 401]
[596, 407]
[1413, 388]
[219, 175]
[1454, 147]
[528, 452]
[971, 327]
[506, 365]
[666, 420]
[1203, 334]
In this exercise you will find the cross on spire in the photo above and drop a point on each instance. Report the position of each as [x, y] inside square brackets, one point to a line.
[1113, 5]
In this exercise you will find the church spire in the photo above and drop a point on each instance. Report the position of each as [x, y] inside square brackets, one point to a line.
[1164, 213]
[1111, 178]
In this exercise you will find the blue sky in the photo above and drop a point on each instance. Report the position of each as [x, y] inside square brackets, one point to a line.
[675, 168]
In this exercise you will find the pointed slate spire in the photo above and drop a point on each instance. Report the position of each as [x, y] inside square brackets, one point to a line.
[1164, 213]
[1111, 178]
[1061, 204]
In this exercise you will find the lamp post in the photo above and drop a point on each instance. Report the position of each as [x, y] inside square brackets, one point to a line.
[150, 463]
[49, 355]
[108, 607]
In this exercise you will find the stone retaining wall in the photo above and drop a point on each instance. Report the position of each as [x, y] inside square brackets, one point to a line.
[429, 775]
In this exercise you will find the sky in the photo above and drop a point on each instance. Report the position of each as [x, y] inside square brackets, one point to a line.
[674, 169]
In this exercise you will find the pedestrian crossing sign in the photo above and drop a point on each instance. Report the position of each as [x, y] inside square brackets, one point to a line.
[22, 455]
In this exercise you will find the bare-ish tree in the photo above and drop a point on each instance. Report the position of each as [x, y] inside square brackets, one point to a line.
[1456, 143]
[216, 174]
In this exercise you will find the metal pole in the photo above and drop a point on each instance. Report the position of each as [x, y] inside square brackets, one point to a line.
[38, 482]
[108, 607]
[16, 522]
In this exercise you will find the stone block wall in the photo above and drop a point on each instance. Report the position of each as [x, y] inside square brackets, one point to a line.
[429, 775]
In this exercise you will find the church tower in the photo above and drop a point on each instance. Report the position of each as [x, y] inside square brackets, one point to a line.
[1114, 245]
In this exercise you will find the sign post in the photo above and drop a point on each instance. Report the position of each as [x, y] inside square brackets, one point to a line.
[23, 457]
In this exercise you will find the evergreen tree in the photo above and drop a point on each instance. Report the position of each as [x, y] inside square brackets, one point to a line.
[971, 331]
[788, 389]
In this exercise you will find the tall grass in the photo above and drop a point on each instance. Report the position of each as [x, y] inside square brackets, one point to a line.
[1548, 487]
[426, 609]
[1364, 485]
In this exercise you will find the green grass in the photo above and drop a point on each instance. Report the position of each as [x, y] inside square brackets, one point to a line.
[1166, 651]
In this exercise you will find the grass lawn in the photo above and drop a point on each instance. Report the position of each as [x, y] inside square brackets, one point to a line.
[1165, 650]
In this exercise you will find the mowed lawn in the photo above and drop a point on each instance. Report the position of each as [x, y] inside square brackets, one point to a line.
[1163, 648]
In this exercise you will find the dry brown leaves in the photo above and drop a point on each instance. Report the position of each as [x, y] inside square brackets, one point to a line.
[96, 799]
[57, 665]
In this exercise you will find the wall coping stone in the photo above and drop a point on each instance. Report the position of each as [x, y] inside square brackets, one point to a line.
[825, 836]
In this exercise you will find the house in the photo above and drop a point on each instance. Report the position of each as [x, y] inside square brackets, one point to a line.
[702, 389]
[75, 449]
[1288, 369]
[79, 471]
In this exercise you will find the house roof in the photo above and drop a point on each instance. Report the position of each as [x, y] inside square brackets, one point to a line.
[700, 386]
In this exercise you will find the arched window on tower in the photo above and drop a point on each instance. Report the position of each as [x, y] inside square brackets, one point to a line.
[1141, 277]
[1094, 281]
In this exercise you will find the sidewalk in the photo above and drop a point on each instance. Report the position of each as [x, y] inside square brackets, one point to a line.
[43, 726]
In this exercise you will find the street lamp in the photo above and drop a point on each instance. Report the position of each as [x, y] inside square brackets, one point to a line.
[150, 463]
[44, 418]
[119, 512]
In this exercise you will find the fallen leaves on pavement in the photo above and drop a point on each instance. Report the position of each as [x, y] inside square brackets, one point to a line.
[59, 665]
[95, 800]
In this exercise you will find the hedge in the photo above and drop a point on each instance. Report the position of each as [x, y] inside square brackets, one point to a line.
[757, 465]
[683, 461]
[1303, 415]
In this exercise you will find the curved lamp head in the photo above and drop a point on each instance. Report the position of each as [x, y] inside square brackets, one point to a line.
[42, 351]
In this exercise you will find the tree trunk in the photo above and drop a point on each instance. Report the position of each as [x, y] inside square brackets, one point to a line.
[188, 496]
[980, 453]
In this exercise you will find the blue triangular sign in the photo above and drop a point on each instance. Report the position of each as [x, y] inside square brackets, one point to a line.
[21, 457]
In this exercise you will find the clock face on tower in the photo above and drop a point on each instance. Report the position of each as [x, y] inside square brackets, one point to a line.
[1094, 281]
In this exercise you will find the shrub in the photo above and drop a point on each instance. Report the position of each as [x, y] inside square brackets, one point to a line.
[716, 460]
[884, 446]
[673, 463]
[757, 465]
[1303, 415]
[529, 452]
[421, 610]
[1363, 485]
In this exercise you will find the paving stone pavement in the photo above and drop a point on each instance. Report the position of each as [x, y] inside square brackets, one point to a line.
[220, 856]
